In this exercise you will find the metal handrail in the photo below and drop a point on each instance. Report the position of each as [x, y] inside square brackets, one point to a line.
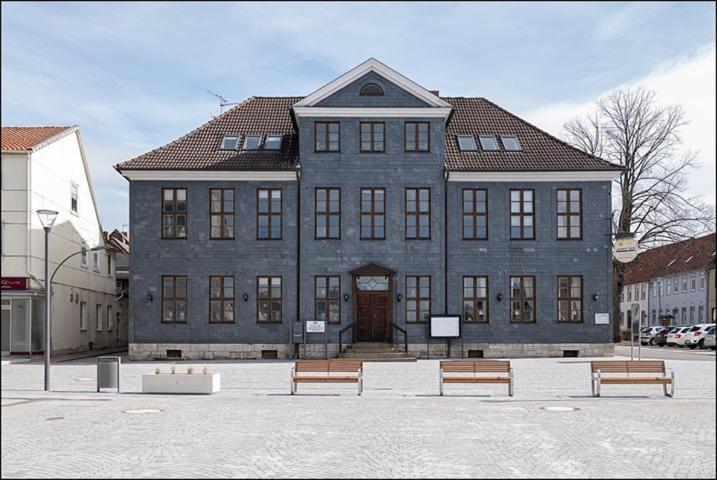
[405, 335]
[341, 333]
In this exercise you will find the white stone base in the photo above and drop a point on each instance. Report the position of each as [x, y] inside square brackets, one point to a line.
[182, 383]
[253, 351]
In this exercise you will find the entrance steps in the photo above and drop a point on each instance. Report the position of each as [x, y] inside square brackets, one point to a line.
[377, 352]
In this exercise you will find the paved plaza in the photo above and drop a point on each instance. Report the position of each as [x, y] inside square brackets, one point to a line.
[400, 427]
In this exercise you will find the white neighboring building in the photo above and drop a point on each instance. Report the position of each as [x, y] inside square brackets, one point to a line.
[634, 304]
[46, 168]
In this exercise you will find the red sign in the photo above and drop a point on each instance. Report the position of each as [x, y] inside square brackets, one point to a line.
[13, 283]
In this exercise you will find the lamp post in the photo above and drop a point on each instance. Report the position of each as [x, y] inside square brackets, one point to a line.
[47, 219]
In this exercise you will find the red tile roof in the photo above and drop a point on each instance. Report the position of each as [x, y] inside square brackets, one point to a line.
[20, 139]
[199, 149]
[658, 262]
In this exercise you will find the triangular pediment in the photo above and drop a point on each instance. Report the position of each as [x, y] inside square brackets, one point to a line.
[383, 71]
[373, 269]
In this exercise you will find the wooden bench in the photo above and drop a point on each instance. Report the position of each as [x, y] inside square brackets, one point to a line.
[327, 371]
[467, 371]
[634, 373]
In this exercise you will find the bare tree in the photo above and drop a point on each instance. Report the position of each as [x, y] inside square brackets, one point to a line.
[629, 128]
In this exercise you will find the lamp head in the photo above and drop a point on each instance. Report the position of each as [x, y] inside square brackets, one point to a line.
[47, 218]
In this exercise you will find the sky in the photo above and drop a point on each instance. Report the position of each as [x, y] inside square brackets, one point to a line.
[135, 76]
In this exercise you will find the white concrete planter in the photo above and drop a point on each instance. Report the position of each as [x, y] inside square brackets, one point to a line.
[195, 383]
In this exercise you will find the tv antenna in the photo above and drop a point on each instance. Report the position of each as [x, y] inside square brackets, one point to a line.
[223, 102]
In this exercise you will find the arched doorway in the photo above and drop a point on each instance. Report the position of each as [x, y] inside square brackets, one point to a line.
[372, 287]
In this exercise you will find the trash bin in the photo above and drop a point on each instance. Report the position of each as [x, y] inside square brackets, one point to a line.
[108, 372]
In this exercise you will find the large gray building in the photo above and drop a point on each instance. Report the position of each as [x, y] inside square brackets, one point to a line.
[371, 204]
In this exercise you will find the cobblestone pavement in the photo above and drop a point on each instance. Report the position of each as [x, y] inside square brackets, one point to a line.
[400, 427]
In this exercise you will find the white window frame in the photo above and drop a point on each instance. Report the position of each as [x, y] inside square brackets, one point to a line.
[83, 316]
[96, 261]
[83, 255]
[98, 316]
[266, 141]
[110, 320]
[75, 195]
[109, 264]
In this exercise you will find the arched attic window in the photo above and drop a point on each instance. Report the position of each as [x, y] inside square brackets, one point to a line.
[371, 90]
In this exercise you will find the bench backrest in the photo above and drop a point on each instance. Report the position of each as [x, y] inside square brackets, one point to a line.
[628, 366]
[328, 366]
[475, 366]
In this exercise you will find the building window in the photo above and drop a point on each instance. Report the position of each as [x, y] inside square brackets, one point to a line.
[475, 299]
[229, 142]
[373, 214]
[653, 287]
[83, 316]
[96, 261]
[73, 197]
[98, 316]
[416, 137]
[326, 137]
[221, 213]
[676, 285]
[522, 299]
[268, 213]
[252, 142]
[273, 142]
[174, 299]
[418, 213]
[174, 213]
[371, 90]
[83, 255]
[693, 283]
[269, 299]
[467, 143]
[221, 299]
[418, 299]
[654, 317]
[643, 291]
[629, 293]
[510, 142]
[692, 314]
[109, 264]
[110, 319]
[701, 316]
[327, 222]
[372, 136]
[702, 281]
[522, 215]
[684, 283]
[327, 296]
[570, 299]
[684, 315]
[475, 214]
[570, 214]
[659, 283]
[668, 287]
[488, 143]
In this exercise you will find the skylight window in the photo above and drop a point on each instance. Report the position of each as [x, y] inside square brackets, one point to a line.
[272, 142]
[467, 143]
[229, 142]
[252, 142]
[488, 143]
[510, 142]
[672, 262]
[689, 258]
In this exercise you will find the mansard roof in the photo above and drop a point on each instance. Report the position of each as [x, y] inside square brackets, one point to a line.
[199, 149]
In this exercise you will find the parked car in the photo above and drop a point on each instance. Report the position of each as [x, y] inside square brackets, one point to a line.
[672, 336]
[681, 336]
[661, 336]
[647, 334]
[696, 335]
[709, 341]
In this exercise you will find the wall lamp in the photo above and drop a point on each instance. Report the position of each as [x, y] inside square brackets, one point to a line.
[399, 297]
[150, 297]
[346, 297]
[245, 296]
[499, 297]
[596, 296]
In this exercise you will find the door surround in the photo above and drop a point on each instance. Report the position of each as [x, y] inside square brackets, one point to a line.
[372, 270]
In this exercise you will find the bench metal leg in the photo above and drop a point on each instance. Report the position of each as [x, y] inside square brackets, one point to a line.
[596, 384]
[292, 385]
[672, 386]
[510, 384]
[440, 382]
[360, 383]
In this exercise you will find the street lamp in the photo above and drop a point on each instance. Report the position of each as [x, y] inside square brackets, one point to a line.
[47, 219]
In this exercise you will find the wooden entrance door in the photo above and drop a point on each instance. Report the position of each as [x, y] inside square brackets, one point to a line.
[372, 316]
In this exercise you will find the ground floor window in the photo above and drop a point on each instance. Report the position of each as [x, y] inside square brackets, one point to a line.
[418, 298]
[83, 316]
[327, 293]
[174, 299]
[570, 299]
[110, 319]
[221, 299]
[522, 299]
[98, 315]
[475, 299]
[269, 299]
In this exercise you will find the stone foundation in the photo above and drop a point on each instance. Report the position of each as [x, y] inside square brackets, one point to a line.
[253, 351]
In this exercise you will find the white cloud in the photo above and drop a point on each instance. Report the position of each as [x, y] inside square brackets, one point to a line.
[688, 81]
[624, 20]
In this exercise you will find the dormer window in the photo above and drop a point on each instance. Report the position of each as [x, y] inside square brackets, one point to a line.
[467, 143]
[229, 142]
[252, 142]
[272, 142]
[371, 90]
[488, 143]
[510, 142]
